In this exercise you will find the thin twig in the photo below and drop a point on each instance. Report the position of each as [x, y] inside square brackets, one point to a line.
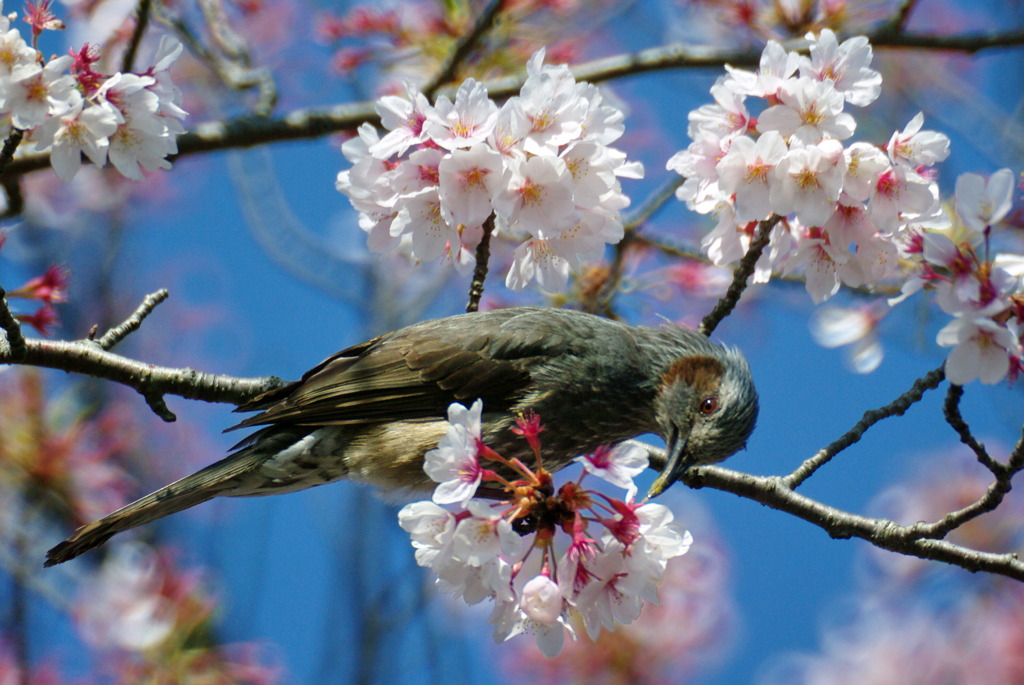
[897, 407]
[141, 23]
[994, 494]
[483, 256]
[740, 276]
[463, 48]
[992, 498]
[132, 323]
[951, 410]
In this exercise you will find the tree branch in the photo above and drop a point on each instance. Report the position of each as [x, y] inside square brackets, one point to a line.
[951, 410]
[15, 346]
[93, 358]
[88, 358]
[10, 147]
[483, 256]
[740, 276]
[141, 24]
[774, 492]
[132, 323]
[897, 407]
[303, 124]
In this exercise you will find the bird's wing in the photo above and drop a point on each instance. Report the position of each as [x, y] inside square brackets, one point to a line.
[418, 371]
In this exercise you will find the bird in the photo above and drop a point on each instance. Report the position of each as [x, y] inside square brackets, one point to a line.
[371, 411]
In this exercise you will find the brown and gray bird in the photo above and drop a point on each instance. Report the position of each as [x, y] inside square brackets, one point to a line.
[370, 412]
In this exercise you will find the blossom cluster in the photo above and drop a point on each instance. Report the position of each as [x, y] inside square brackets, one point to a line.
[67, 108]
[851, 214]
[507, 549]
[541, 166]
[143, 609]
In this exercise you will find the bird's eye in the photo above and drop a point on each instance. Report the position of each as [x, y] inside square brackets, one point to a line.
[709, 406]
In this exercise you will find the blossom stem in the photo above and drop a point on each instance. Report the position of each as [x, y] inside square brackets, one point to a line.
[483, 255]
[740, 277]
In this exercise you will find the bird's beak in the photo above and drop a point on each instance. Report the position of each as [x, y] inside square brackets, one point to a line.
[675, 464]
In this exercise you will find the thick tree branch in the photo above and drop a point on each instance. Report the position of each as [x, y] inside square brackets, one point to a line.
[88, 358]
[773, 492]
[93, 358]
[305, 124]
[917, 540]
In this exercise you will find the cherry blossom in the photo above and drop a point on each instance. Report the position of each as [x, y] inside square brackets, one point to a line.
[125, 608]
[981, 203]
[550, 103]
[80, 130]
[33, 92]
[845, 65]
[809, 111]
[132, 120]
[982, 349]
[914, 147]
[855, 215]
[405, 120]
[775, 68]
[540, 167]
[421, 218]
[14, 51]
[618, 465]
[808, 182]
[506, 549]
[747, 171]
[455, 463]
[468, 181]
[542, 600]
[537, 193]
[465, 122]
[728, 116]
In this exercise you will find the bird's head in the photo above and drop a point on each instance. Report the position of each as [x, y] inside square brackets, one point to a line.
[706, 408]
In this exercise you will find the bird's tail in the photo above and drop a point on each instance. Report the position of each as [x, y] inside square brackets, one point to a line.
[203, 485]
